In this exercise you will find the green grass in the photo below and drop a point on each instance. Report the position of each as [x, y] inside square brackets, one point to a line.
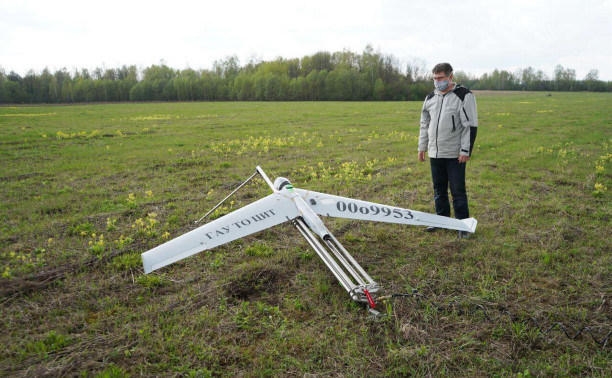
[88, 188]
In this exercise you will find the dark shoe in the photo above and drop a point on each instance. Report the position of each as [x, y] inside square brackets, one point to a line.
[431, 229]
[464, 235]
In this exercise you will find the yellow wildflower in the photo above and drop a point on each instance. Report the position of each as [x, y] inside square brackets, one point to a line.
[599, 188]
[6, 273]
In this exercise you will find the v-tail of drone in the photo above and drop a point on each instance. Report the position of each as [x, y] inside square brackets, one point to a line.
[302, 208]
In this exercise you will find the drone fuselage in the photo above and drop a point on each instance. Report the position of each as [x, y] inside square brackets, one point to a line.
[343, 266]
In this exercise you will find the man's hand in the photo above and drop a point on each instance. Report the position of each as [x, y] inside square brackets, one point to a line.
[421, 155]
[463, 158]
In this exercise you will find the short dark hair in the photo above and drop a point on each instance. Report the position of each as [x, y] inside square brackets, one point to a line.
[443, 67]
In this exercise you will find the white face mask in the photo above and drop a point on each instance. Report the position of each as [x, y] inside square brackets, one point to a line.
[441, 85]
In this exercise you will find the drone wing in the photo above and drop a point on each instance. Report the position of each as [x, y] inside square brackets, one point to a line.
[264, 213]
[342, 207]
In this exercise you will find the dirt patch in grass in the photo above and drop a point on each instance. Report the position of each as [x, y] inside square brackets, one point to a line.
[21, 177]
[540, 188]
[253, 281]
[41, 280]
[454, 246]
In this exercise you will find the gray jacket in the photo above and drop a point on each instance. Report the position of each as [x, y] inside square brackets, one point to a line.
[449, 123]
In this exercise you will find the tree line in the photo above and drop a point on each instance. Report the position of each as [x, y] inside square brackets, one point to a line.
[323, 76]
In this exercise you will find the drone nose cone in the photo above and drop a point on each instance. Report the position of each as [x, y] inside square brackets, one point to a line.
[280, 183]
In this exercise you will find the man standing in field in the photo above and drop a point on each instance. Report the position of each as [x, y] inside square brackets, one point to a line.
[449, 122]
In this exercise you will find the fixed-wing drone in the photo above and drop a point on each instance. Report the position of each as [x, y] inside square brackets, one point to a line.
[302, 208]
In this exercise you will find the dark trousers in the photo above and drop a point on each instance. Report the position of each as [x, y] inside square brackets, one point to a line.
[443, 173]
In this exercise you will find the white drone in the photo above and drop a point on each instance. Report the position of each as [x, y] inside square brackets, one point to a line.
[302, 208]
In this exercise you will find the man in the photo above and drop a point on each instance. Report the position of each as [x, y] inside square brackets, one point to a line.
[449, 122]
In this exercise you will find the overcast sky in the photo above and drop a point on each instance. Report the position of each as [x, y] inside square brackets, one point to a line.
[474, 36]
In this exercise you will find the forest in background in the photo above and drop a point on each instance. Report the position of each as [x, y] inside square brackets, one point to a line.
[323, 76]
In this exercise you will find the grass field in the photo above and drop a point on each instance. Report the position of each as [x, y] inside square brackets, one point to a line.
[86, 189]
